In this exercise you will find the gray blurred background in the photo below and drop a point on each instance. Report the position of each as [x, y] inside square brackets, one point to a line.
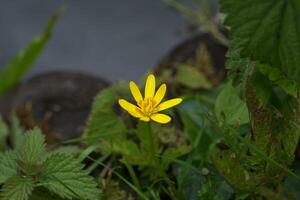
[114, 39]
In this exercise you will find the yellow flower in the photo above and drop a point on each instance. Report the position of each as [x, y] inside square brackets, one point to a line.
[148, 107]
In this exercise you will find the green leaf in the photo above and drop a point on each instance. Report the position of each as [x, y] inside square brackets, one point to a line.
[192, 78]
[17, 132]
[32, 151]
[170, 154]
[20, 64]
[64, 176]
[3, 135]
[17, 188]
[230, 107]
[197, 127]
[130, 152]
[8, 165]
[263, 87]
[278, 78]
[267, 31]
[103, 122]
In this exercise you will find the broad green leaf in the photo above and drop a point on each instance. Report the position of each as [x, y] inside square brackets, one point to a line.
[65, 176]
[20, 64]
[263, 87]
[17, 188]
[103, 121]
[8, 165]
[32, 151]
[267, 31]
[230, 107]
[192, 78]
[278, 78]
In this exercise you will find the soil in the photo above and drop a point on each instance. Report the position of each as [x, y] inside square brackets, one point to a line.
[59, 102]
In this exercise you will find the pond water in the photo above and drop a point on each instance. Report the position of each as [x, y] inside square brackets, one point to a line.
[115, 39]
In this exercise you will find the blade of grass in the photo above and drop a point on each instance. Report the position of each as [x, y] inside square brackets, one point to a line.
[133, 175]
[140, 193]
[20, 64]
[85, 153]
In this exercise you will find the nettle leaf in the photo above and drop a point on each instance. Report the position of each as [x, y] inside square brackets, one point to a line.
[64, 176]
[230, 107]
[277, 77]
[32, 151]
[267, 31]
[263, 87]
[20, 64]
[8, 165]
[17, 188]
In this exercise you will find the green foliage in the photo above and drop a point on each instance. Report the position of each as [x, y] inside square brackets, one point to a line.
[8, 165]
[230, 108]
[267, 31]
[16, 132]
[65, 176]
[103, 122]
[32, 151]
[192, 78]
[20, 64]
[17, 188]
[3, 135]
[30, 166]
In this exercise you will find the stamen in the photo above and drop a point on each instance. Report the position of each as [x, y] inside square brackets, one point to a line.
[148, 106]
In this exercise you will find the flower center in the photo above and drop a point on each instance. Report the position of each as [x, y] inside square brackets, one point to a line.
[148, 106]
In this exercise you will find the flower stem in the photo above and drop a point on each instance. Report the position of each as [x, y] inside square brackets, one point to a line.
[157, 163]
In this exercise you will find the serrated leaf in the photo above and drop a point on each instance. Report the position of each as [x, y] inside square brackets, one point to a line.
[267, 31]
[230, 107]
[32, 151]
[64, 176]
[8, 165]
[17, 188]
[192, 78]
[20, 64]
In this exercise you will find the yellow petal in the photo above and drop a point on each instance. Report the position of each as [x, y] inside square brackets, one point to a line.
[161, 118]
[135, 92]
[150, 86]
[170, 103]
[127, 106]
[136, 114]
[160, 94]
[145, 119]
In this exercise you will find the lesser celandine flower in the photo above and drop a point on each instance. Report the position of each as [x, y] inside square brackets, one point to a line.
[148, 107]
